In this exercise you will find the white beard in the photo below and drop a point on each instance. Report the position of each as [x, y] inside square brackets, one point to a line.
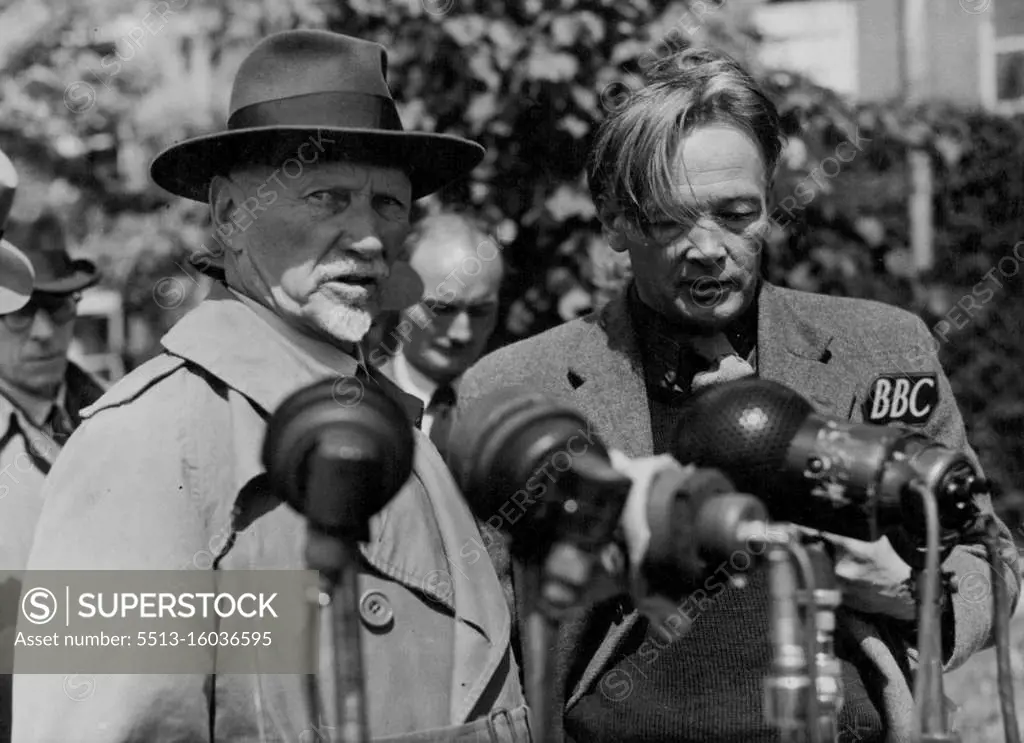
[348, 324]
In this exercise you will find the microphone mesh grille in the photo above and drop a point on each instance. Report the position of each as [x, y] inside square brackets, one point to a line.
[743, 428]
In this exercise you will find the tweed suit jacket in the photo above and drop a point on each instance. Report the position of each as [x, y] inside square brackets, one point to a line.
[826, 348]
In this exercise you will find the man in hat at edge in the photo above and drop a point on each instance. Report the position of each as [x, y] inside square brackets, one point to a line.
[41, 391]
[310, 192]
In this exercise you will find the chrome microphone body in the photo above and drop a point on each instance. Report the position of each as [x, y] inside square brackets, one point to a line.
[788, 686]
[822, 603]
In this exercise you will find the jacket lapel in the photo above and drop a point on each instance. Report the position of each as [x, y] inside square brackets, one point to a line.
[795, 352]
[609, 382]
[607, 374]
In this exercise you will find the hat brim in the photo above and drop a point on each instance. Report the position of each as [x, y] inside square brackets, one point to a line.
[84, 275]
[16, 278]
[431, 160]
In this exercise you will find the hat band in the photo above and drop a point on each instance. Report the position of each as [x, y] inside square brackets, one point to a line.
[336, 110]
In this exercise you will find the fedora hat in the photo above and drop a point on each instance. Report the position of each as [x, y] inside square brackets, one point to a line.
[303, 84]
[43, 243]
[16, 273]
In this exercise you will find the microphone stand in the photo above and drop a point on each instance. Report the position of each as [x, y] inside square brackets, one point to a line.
[822, 602]
[791, 699]
[1001, 611]
[338, 563]
[540, 628]
[588, 512]
[931, 719]
[337, 560]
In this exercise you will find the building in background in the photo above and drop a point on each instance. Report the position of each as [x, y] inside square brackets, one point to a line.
[974, 49]
[99, 344]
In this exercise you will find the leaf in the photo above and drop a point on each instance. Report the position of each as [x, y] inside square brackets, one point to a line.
[568, 201]
[586, 99]
[627, 50]
[506, 38]
[482, 67]
[482, 108]
[871, 230]
[544, 64]
[564, 31]
[593, 25]
[575, 126]
[465, 30]
[574, 303]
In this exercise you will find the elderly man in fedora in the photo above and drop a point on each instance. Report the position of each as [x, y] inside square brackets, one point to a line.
[310, 192]
[41, 391]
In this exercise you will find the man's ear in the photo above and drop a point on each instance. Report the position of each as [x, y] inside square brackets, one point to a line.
[611, 228]
[225, 198]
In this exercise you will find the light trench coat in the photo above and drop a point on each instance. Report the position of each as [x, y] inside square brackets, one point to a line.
[150, 481]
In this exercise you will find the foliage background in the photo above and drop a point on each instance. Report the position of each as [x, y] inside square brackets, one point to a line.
[91, 92]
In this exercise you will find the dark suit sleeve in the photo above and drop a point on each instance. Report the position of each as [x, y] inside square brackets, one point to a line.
[971, 608]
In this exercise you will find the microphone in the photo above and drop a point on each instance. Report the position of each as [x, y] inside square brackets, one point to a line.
[855, 480]
[682, 524]
[338, 465]
[501, 444]
[846, 478]
[505, 441]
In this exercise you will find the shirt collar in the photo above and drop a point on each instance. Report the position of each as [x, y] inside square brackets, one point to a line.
[412, 380]
[36, 409]
[651, 325]
[669, 360]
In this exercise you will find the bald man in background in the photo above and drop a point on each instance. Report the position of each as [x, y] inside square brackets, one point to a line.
[428, 346]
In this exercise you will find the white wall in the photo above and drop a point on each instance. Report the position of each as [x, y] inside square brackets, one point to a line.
[818, 39]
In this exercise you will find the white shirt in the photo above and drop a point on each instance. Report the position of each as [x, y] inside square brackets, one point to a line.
[413, 381]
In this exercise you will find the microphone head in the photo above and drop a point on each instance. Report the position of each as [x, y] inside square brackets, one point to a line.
[498, 445]
[744, 428]
[368, 443]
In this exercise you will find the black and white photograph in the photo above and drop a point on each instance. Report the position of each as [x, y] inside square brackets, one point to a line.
[511, 371]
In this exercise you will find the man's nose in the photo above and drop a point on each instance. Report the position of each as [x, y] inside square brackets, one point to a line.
[461, 329]
[43, 326]
[364, 232]
[705, 246]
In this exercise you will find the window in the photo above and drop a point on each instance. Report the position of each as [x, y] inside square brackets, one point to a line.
[1010, 76]
[1002, 57]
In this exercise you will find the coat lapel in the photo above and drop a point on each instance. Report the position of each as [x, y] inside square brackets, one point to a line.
[483, 626]
[609, 382]
[795, 352]
[607, 374]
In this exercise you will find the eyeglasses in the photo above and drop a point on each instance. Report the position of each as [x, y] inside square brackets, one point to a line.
[61, 309]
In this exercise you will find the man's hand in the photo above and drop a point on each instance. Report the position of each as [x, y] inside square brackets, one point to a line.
[871, 575]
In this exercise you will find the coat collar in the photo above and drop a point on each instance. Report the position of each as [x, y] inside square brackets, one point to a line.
[234, 344]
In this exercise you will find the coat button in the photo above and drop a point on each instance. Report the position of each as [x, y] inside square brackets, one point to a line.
[375, 609]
